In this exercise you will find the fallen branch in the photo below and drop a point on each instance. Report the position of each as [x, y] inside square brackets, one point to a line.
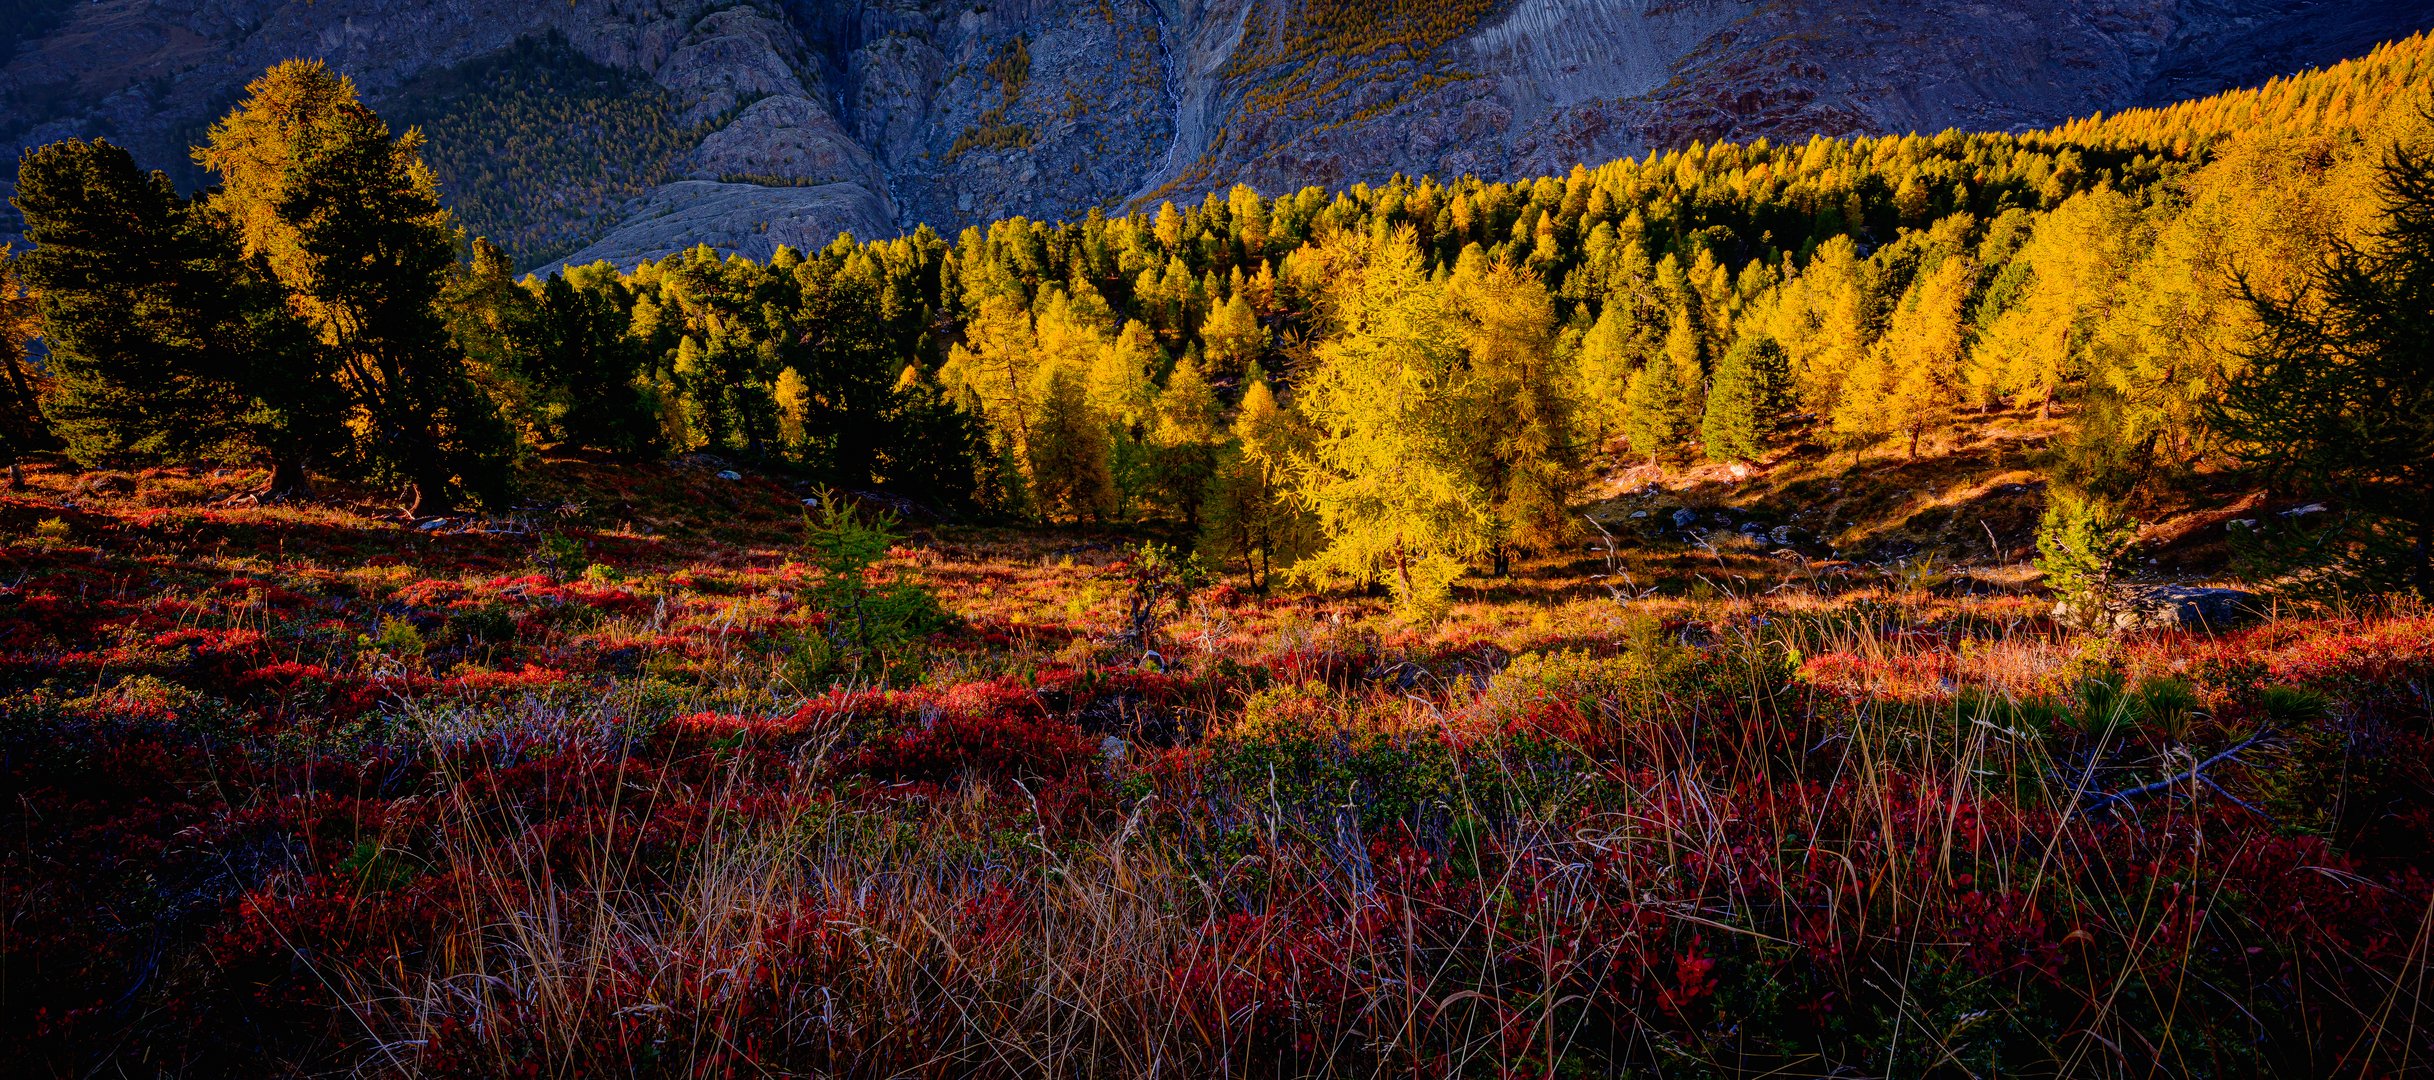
[2195, 774]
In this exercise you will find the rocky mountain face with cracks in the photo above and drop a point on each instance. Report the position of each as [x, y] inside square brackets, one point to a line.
[638, 127]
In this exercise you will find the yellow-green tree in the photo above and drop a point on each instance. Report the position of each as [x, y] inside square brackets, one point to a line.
[1909, 383]
[1252, 517]
[1822, 316]
[2036, 349]
[1184, 439]
[1515, 407]
[1067, 449]
[998, 364]
[1232, 340]
[1385, 475]
[349, 220]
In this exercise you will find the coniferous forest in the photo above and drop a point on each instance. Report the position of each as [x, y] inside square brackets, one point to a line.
[1937, 605]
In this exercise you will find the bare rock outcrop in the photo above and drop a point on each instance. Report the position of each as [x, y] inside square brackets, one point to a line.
[749, 218]
[2163, 607]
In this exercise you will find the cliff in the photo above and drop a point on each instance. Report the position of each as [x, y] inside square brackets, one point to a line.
[622, 129]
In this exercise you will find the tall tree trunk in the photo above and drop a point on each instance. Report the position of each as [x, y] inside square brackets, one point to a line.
[2425, 553]
[428, 490]
[428, 496]
[287, 480]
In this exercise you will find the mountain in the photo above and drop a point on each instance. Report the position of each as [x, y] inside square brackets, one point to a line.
[627, 128]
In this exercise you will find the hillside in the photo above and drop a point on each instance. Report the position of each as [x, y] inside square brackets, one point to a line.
[305, 790]
[746, 126]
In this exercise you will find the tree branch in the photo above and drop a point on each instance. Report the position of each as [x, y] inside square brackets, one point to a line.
[2195, 773]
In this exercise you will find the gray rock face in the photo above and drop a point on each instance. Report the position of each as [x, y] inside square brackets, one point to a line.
[746, 218]
[2165, 607]
[878, 115]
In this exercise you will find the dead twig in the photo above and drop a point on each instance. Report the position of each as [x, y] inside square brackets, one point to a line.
[2195, 774]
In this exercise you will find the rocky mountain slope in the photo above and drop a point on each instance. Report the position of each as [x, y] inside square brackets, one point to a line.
[627, 128]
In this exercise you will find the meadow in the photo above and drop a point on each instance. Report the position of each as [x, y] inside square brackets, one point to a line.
[589, 789]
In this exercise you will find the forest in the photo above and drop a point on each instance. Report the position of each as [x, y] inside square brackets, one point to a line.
[1283, 634]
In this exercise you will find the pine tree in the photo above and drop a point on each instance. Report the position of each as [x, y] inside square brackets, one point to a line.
[1252, 517]
[840, 351]
[939, 449]
[558, 356]
[23, 430]
[1068, 451]
[1746, 405]
[348, 219]
[1656, 412]
[579, 345]
[485, 307]
[165, 342]
[1232, 339]
[2339, 388]
[1516, 409]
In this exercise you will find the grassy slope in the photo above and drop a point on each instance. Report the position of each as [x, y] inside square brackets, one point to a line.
[305, 773]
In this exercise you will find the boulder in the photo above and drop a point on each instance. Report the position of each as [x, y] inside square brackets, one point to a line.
[2164, 607]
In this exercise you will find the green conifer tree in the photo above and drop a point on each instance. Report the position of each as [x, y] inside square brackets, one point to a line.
[1746, 405]
[2339, 389]
[166, 343]
[578, 345]
[940, 448]
[1656, 412]
[348, 219]
[1184, 439]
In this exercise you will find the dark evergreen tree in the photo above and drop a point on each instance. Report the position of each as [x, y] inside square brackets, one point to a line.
[2338, 394]
[166, 342]
[23, 430]
[1658, 411]
[560, 354]
[849, 368]
[349, 220]
[1746, 404]
[937, 450]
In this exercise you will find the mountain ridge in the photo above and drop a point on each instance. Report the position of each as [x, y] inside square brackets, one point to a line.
[788, 121]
